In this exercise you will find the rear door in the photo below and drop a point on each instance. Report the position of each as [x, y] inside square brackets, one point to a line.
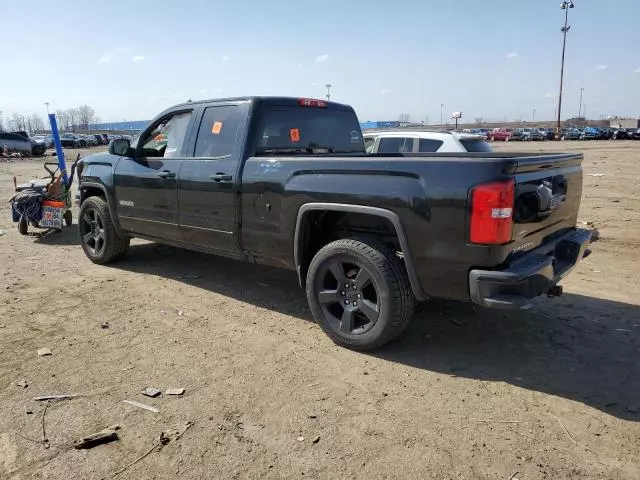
[208, 180]
[147, 185]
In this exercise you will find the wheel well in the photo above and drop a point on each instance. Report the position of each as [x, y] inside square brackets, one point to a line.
[86, 192]
[320, 227]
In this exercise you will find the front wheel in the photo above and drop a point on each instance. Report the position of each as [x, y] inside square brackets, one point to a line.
[359, 293]
[98, 237]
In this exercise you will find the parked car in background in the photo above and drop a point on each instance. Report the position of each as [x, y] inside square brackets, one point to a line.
[44, 140]
[71, 140]
[420, 141]
[90, 140]
[520, 135]
[634, 134]
[571, 134]
[621, 134]
[99, 139]
[481, 131]
[535, 134]
[606, 133]
[19, 142]
[500, 134]
[590, 133]
[549, 133]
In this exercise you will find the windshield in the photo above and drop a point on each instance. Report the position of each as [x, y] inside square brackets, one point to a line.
[296, 130]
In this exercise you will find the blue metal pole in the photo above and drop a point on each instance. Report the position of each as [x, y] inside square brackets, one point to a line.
[56, 140]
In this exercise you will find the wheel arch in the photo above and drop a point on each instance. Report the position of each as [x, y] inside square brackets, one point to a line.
[91, 189]
[300, 241]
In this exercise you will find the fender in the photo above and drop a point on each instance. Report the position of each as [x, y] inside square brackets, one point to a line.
[363, 209]
[112, 211]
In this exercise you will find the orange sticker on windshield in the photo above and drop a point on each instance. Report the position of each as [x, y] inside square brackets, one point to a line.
[294, 133]
[217, 127]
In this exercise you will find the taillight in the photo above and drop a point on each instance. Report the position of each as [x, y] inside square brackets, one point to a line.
[311, 102]
[492, 212]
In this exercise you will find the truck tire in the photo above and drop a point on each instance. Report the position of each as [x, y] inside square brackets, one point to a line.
[98, 237]
[359, 293]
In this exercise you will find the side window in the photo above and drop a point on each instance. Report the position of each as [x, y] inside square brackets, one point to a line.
[217, 132]
[395, 145]
[167, 138]
[429, 145]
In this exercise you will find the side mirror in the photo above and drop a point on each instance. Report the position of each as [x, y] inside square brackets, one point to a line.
[120, 147]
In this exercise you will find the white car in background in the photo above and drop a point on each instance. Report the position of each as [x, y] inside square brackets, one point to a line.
[424, 141]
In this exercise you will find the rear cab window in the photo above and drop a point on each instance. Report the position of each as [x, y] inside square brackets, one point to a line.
[299, 129]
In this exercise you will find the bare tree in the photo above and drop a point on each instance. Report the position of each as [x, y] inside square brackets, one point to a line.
[34, 122]
[73, 116]
[62, 119]
[19, 122]
[86, 115]
[478, 120]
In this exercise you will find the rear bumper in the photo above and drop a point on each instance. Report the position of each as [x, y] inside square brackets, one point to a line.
[531, 275]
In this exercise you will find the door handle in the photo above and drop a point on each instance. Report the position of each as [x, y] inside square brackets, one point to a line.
[221, 177]
[166, 174]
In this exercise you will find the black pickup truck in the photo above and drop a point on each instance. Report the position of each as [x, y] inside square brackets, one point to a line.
[286, 182]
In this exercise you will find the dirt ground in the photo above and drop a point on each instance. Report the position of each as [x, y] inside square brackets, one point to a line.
[466, 393]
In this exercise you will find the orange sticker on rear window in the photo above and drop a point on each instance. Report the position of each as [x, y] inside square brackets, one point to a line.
[294, 133]
[217, 127]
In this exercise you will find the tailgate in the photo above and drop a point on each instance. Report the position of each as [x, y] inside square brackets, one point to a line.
[547, 194]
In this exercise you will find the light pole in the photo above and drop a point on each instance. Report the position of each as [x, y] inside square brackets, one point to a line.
[564, 6]
[533, 116]
[328, 86]
[441, 114]
[580, 107]
[47, 105]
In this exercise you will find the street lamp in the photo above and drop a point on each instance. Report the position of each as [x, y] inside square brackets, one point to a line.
[441, 114]
[47, 105]
[533, 116]
[328, 86]
[564, 6]
[580, 108]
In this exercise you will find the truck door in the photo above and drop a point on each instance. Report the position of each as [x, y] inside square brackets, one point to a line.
[208, 182]
[146, 186]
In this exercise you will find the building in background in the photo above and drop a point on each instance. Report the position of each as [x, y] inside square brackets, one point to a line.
[615, 122]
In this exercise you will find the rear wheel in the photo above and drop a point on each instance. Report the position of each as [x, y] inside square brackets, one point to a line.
[359, 293]
[98, 237]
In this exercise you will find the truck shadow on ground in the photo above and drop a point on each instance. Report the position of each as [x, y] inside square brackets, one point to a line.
[577, 347]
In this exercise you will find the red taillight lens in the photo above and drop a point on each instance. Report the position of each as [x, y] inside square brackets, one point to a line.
[311, 102]
[492, 212]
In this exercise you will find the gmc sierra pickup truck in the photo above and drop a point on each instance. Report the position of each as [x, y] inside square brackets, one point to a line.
[286, 182]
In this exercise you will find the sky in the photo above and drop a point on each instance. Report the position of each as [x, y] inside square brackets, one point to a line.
[491, 59]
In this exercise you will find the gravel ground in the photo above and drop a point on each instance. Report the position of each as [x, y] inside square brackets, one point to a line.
[553, 392]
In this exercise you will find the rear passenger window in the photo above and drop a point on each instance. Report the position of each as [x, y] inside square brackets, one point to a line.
[217, 132]
[429, 145]
[395, 145]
